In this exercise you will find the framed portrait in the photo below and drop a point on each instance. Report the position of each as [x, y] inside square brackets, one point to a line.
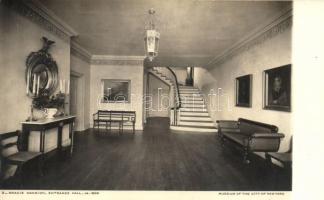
[115, 91]
[244, 91]
[277, 88]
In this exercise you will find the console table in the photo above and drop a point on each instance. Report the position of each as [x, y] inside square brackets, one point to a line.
[41, 126]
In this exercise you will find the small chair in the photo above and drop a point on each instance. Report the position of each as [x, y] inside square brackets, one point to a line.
[10, 154]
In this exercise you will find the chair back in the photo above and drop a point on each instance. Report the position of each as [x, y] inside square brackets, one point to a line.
[9, 143]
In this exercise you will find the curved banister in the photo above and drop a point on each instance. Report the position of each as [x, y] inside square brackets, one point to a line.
[169, 74]
[177, 86]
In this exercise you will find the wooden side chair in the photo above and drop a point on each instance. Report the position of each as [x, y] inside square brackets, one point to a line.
[10, 155]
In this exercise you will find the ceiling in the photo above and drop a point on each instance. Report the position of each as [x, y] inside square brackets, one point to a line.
[192, 31]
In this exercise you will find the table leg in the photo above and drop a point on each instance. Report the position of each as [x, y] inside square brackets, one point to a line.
[42, 141]
[71, 136]
[25, 138]
[59, 137]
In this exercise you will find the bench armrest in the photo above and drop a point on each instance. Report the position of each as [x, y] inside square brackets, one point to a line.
[94, 115]
[267, 135]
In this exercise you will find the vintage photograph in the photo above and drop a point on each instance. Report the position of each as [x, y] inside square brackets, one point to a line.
[125, 95]
[244, 91]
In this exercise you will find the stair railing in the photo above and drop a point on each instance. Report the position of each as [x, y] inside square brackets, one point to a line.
[169, 74]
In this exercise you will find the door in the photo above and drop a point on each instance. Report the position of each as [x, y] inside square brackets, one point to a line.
[74, 99]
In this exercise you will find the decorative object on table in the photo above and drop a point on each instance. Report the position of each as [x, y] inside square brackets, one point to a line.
[277, 88]
[115, 91]
[41, 83]
[50, 104]
[244, 91]
[152, 37]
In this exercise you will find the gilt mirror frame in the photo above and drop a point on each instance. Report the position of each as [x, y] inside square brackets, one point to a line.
[42, 64]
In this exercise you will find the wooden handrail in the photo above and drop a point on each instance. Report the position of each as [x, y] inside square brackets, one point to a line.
[177, 85]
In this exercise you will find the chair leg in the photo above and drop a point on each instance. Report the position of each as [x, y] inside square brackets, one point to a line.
[222, 142]
[120, 127]
[41, 165]
[106, 126]
[133, 127]
[19, 175]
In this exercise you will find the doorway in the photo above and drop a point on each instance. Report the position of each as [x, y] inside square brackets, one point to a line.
[76, 100]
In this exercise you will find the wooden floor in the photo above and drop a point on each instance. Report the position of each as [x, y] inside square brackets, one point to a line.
[155, 159]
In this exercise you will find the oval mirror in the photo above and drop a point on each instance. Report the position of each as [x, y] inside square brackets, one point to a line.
[42, 72]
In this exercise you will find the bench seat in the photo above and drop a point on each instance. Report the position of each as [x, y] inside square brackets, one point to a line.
[108, 117]
[251, 136]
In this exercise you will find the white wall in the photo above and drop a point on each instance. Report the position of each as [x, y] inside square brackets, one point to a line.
[271, 53]
[181, 73]
[160, 93]
[18, 38]
[134, 73]
[83, 69]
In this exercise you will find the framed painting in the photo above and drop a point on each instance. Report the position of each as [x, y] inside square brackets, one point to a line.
[244, 91]
[115, 91]
[277, 88]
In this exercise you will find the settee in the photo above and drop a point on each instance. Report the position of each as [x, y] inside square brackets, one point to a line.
[250, 136]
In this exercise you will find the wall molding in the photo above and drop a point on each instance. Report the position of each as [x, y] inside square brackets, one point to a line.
[80, 52]
[117, 60]
[277, 26]
[39, 14]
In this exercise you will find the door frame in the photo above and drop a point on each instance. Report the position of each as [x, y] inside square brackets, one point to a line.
[80, 103]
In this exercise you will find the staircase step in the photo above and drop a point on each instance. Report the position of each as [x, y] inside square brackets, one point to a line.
[194, 114]
[196, 104]
[189, 92]
[191, 99]
[197, 124]
[193, 119]
[162, 77]
[193, 109]
[188, 87]
[192, 102]
[194, 129]
[193, 106]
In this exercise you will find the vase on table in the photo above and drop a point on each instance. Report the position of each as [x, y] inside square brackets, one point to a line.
[50, 112]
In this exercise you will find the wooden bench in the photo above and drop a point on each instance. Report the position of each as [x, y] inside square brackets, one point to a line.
[250, 136]
[108, 117]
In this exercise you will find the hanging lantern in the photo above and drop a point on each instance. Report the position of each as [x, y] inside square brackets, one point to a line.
[151, 38]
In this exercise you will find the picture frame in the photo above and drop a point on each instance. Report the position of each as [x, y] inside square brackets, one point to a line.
[277, 88]
[243, 91]
[116, 91]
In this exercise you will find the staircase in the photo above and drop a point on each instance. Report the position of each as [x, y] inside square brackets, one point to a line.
[193, 115]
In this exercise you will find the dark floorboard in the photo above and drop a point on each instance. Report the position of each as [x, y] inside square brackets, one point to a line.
[154, 159]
